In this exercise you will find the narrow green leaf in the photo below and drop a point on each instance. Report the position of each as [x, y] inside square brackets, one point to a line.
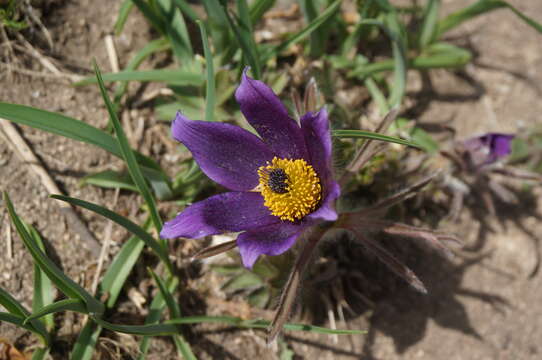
[19, 321]
[242, 281]
[258, 8]
[145, 330]
[319, 21]
[128, 155]
[40, 354]
[317, 38]
[155, 312]
[187, 10]
[481, 7]
[110, 179]
[373, 136]
[210, 87]
[12, 305]
[261, 324]
[173, 77]
[120, 268]
[69, 287]
[43, 287]
[176, 31]
[86, 341]
[182, 346]
[76, 305]
[429, 25]
[242, 29]
[156, 21]
[377, 95]
[68, 127]
[124, 11]
[125, 223]
[150, 48]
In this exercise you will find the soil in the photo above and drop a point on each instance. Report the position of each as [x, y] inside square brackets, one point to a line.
[485, 304]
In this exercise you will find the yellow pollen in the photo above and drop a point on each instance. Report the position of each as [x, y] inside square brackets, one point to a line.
[302, 191]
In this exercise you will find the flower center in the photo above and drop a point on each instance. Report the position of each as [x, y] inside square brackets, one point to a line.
[290, 188]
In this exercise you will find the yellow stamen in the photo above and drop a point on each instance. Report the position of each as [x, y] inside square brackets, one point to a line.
[302, 188]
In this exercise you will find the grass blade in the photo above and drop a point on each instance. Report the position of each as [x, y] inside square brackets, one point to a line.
[145, 330]
[86, 341]
[173, 77]
[125, 223]
[319, 21]
[151, 15]
[478, 8]
[68, 127]
[242, 29]
[182, 346]
[176, 31]
[429, 25]
[187, 10]
[361, 134]
[19, 321]
[69, 287]
[43, 287]
[124, 11]
[155, 312]
[110, 179]
[76, 305]
[210, 87]
[259, 324]
[40, 354]
[128, 155]
[258, 8]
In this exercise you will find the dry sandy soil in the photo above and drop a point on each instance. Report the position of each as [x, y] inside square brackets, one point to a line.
[483, 305]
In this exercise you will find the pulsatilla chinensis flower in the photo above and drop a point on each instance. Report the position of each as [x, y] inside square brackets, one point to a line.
[280, 182]
[480, 151]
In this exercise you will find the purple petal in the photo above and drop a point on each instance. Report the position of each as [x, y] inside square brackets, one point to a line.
[231, 211]
[269, 240]
[227, 154]
[315, 127]
[265, 112]
[488, 148]
[326, 211]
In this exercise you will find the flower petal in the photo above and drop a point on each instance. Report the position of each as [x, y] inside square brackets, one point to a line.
[266, 113]
[269, 240]
[227, 154]
[326, 211]
[488, 148]
[315, 127]
[231, 211]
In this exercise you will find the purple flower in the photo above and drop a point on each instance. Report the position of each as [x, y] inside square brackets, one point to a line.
[487, 149]
[280, 182]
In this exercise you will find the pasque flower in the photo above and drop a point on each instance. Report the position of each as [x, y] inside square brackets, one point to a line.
[280, 182]
[486, 149]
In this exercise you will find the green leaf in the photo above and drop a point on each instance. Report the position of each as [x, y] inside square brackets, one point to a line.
[242, 29]
[151, 15]
[173, 77]
[182, 346]
[480, 7]
[124, 11]
[210, 96]
[120, 268]
[68, 127]
[43, 288]
[125, 223]
[110, 179]
[155, 312]
[258, 8]
[19, 321]
[245, 280]
[40, 354]
[187, 10]
[176, 31]
[128, 155]
[145, 330]
[259, 324]
[259, 297]
[69, 287]
[76, 305]
[429, 25]
[373, 136]
[424, 140]
[86, 341]
[314, 25]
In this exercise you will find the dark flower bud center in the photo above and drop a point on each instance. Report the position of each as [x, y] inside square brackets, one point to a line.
[277, 181]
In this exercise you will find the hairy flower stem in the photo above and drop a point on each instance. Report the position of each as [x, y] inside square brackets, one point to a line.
[290, 289]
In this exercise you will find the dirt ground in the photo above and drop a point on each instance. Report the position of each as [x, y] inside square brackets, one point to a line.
[483, 305]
